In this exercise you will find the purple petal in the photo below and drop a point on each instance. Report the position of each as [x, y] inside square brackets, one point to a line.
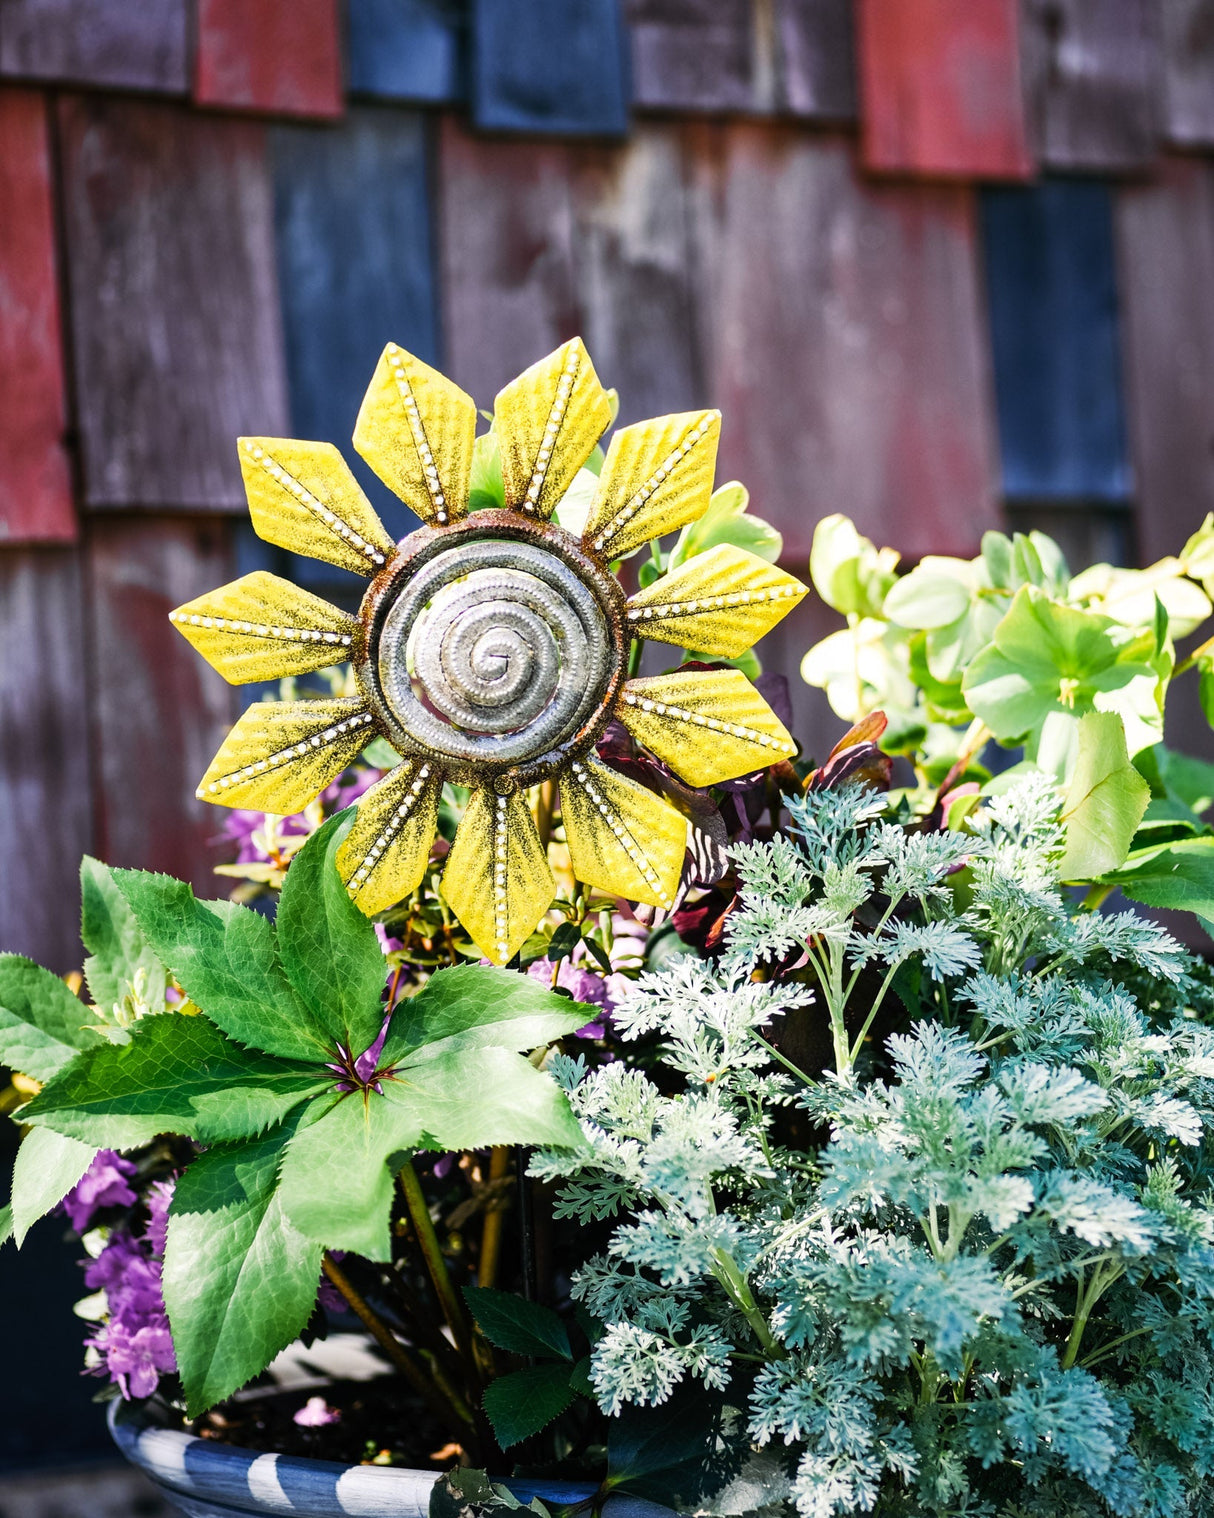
[365, 1064]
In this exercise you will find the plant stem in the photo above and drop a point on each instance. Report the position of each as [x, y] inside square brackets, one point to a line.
[737, 1288]
[427, 1241]
[545, 807]
[491, 1230]
[425, 1385]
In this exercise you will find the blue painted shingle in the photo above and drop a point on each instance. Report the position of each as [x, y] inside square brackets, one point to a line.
[1052, 291]
[407, 49]
[557, 66]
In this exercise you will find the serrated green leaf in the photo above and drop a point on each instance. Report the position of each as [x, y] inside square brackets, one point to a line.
[526, 1401]
[42, 1023]
[240, 1280]
[226, 959]
[665, 1452]
[1177, 877]
[337, 1173]
[47, 1166]
[511, 1323]
[329, 949]
[118, 950]
[579, 1379]
[1104, 802]
[178, 1074]
[475, 1006]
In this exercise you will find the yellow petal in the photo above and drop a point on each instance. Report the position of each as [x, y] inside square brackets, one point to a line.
[547, 422]
[657, 476]
[497, 880]
[261, 628]
[282, 754]
[707, 725]
[302, 496]
[721, 602]
[622, 837]
[416, 429]
[386, 852]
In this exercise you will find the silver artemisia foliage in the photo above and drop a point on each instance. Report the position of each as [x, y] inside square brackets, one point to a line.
[989, 1289]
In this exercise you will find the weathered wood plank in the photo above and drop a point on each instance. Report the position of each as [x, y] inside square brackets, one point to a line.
[692, 55]
[1188, 43]
[110, 43]
[506, 256]
[940, 87]
[279, 56]
[633, 263]
[1165, 232]
[1052, 293]
[549, 66]
[356, 270]
[44, 753]
[1092, 76]
[845, 342]
[169, 215]
[159, 711]
[409, 50]
[35, 477]
[816, 53]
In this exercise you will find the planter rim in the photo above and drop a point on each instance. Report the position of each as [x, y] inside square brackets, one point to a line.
[252, 1482]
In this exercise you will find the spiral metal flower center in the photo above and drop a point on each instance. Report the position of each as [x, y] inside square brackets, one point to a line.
[496, 650]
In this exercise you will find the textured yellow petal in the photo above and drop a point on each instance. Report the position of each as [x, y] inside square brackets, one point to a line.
[386, 852]
[281, 754]
[622, 838]
[261, 628]
[416, 429]
[302, 496]
[720, 602]
[657, 476]
[707, 725]
[547, 422]
[497, 880]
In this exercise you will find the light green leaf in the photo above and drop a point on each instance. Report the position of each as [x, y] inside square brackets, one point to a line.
[848, 572]
[329, 949]
[486, 490]
[573, 508]
[728, 521]
[337, 1173]
[118, 949]
[47, 1166]
[1174, 877]
[227, 961]
[240, 1280]
[178, 1074]
[1104, 802]
[511, 1323]
[6, 1224]
[935, 594]
[42, 1024]
[474, 1006]
[526, 1401]
[380, 755]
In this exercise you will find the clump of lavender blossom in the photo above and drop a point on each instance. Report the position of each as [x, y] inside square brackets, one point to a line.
[106, 1183]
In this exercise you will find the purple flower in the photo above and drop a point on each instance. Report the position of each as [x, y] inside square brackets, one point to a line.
[160, 1194]
[366, 1063]
[316, 1413]
[136, 1357]
[240, 825]
[583, 985]
[103, 1184]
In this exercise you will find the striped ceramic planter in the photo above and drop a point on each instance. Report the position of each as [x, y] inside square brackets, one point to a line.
[206, 1479]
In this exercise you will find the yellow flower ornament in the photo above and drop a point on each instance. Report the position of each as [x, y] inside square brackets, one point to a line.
[491, 647]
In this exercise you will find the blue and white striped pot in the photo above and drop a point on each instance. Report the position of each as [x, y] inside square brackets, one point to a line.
[203, 1478]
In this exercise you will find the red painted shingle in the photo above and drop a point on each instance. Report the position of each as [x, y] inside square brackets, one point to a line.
[279, 56]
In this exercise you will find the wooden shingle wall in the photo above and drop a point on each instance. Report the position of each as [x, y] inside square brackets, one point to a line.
[944, 264]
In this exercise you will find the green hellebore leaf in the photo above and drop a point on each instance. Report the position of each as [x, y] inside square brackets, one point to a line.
[337, 1172]
[328, 947]
[728, 521]
[475, 1006]
[848, 572]
[240, 1280]
[178, 1074]
[1104, 802]
[664, 1453]
[518, 1326]
[1176, 876]
[1186, 779]
[226, 958]
[42, 1023]
[47, 1166]
[935, 593]
[1047, 658]
[1198, 553]
[525, 1401]
[6, 1223]
[573, 508]
[380, 755]
[117, 948]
